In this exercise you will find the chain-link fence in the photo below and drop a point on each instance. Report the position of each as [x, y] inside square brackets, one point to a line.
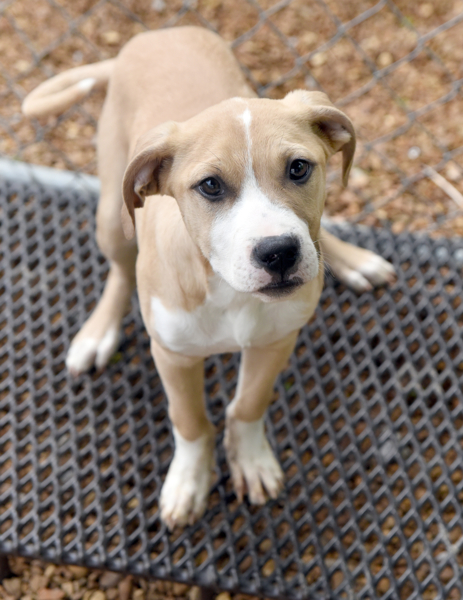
[395, 67]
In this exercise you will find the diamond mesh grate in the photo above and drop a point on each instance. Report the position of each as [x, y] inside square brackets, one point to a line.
[370, 433]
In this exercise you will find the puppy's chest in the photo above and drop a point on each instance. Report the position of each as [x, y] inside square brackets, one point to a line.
[226, 322]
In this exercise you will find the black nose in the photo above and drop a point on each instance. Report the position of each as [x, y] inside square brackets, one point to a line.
[277, 254]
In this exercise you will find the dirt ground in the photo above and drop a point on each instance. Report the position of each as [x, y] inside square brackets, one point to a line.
[403, 125]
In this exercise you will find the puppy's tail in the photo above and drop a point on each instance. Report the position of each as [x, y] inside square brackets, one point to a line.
[54, 96]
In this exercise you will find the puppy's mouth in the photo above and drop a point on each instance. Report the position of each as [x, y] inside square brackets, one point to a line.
[278, 289]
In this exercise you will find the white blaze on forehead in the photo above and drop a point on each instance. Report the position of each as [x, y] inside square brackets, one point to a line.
[246, 117]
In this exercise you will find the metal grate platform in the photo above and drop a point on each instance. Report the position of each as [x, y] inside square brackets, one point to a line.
[368, 426]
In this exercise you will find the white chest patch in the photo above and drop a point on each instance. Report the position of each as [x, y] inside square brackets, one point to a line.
[228, 321]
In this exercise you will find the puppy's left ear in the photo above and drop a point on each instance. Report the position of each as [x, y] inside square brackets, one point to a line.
[147, 172]
[332, 126]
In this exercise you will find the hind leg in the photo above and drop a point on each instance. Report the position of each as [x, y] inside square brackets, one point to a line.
[98, 338]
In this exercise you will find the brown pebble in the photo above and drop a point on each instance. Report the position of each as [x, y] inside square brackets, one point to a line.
[125, 588]
[12, 586]
[98, 595]
[36, 567]
[49, 571]
[3, 594]
[109, 579]
[37, 582]
[18, 565]
[112, 594]
[77, 572]
[92, 580]
[50, 594]
[223, 596]
[68, 588]
[138, 594]
[179, 589]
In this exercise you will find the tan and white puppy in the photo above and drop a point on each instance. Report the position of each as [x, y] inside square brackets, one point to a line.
[229, 191]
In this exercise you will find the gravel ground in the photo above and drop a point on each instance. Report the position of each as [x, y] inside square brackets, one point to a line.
[32, 49]
[35, 580]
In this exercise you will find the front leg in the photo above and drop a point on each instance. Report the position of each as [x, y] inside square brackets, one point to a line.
[186, 487]
[252, 463]
[358, 268]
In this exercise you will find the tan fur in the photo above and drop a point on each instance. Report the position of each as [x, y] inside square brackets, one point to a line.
[207, 135]
[161, 224]
[171, 117]
[61, 92]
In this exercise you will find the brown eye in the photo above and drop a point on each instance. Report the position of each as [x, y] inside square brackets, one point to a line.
[211, 188]
[299, 170]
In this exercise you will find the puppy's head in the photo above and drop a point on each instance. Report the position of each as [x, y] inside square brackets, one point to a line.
[249, 179]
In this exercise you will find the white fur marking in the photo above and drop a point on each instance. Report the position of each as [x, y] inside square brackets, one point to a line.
[246, 117]
[340, 134]
[227, 321]
[251, 459]
[362, 272]
[84, 352]
[356, 281]
[185, 490]
[252, 217]
[86, 84]
[376, 269]
[81, 355]
[107, 347]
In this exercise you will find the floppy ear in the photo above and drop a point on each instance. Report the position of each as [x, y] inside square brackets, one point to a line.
[147, 171]
[329, 123]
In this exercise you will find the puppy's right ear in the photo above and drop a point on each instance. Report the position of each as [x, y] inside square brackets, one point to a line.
[147, 172]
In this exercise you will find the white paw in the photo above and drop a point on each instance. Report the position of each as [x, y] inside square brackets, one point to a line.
[186, 488]
[252, 463]
[86, 351]
[375, 269]
[363, 270]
